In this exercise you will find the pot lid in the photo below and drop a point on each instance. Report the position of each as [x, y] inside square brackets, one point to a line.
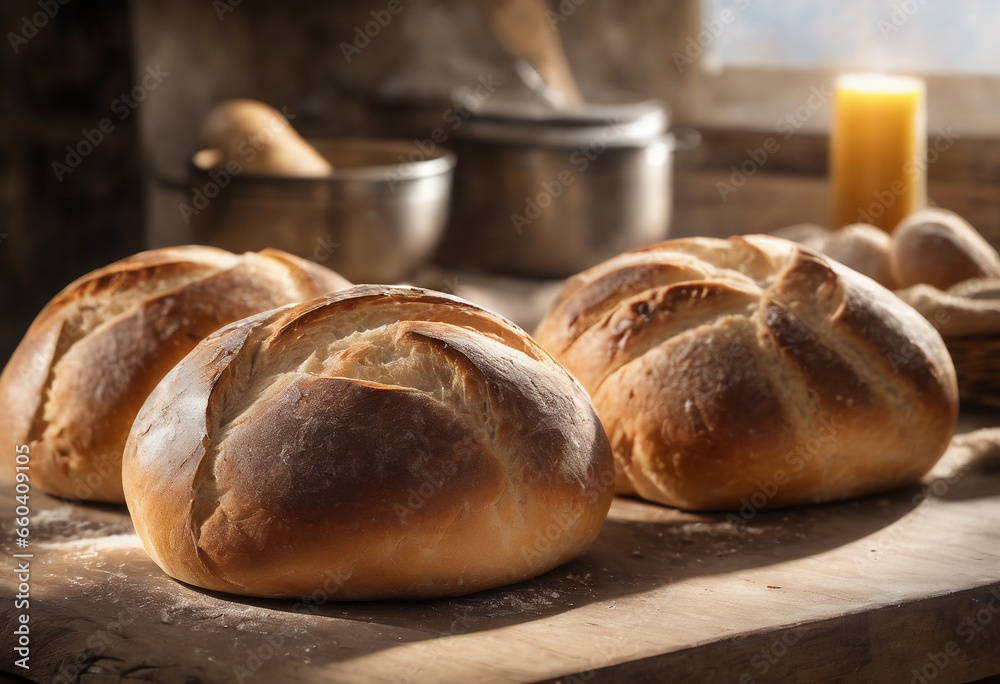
[528, 122]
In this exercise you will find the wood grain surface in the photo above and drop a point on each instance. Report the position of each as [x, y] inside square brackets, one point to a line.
[901, 587]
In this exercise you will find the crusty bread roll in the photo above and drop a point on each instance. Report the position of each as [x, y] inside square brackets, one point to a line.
[753, 372]
[83, 369]
[864, 248]
[260, 139]
[940, 248]
[382, 442]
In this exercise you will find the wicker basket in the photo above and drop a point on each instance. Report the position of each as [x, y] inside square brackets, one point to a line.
[977, 364]
[968, 318]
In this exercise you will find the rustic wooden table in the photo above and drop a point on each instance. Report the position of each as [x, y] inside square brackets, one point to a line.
[903, 587]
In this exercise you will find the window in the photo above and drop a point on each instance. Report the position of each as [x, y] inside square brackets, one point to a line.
[759, 59]
[906, 36]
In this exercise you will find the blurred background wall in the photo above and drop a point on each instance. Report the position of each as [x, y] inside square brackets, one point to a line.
[57, 83]
[148, 71]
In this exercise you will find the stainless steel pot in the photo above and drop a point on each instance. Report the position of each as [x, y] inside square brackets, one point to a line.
[546, 193]
[375, 219]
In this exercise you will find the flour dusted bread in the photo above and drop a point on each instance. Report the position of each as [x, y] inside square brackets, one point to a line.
[381, 442]
[753, 369]
[83, 369]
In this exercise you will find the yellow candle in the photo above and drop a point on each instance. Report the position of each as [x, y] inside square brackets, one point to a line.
[877, 150]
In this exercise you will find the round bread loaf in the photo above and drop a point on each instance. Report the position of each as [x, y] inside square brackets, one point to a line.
[864, 248]
[381, 442]
[753, 372]
[90, 358]
[940, 248]
[260, 139]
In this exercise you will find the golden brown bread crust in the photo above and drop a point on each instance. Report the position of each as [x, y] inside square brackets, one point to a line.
[380, 442]
[753, 370]
[90, 358]
[940, 248]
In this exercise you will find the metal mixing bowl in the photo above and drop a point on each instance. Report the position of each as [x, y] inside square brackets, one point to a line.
[375, 219]
[547, 193]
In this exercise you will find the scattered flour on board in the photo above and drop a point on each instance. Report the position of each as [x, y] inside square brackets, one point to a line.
[103, 543]
[58, 524]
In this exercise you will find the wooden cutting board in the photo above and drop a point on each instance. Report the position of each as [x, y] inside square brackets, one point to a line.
[899, 587]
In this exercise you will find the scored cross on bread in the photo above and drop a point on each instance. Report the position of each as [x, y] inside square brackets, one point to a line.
[724, 368]
[93, 354]
[404, 441]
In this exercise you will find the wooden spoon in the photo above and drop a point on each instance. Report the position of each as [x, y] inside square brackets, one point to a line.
[525, 32]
